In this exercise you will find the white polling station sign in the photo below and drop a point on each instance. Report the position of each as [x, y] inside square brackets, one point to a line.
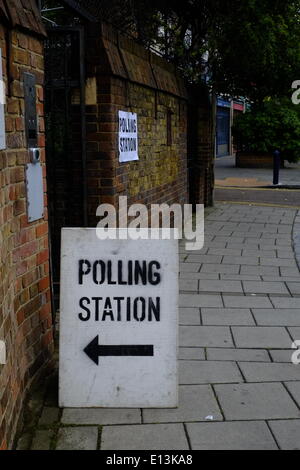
[128, 137]
[118, 321]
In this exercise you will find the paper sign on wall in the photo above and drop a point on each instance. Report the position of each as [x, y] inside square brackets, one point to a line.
[128, 137]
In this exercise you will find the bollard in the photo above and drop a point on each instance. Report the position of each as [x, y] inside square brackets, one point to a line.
[276, 167]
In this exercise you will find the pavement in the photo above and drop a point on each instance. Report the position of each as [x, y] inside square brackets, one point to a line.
[239, 315]
[255, 185]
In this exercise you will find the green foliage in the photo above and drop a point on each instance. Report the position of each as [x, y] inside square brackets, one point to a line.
[273, 126]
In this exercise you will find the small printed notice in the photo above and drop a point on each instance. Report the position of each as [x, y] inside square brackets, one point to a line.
[128, 137]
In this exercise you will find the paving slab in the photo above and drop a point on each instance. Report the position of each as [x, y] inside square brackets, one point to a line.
[203, 259]
[242, 435]
[188, 285]
[144, 437]
[260, 270]
[189, 316]
[41, 440]
[287, 433]
[77, 438]
[277, 317]
[294, 287]
[271, 372]
[50, 415]
[201, 275]
[220, 268]
[281, 355]
[220, 286]
[189, 267]
[247, 260]
[294, 389]
[265, 287]
[196, 403]
[261, 337]
[285, 302]
[246, 301]
[294, 332]
[201, 300]
[205, 336]
[101, 416]
[251, 355]
[191, 354]
[227, 316]
[208, 372]
[256, 401]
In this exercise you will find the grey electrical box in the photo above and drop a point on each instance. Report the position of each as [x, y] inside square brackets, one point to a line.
[35, 191]
[30, 110]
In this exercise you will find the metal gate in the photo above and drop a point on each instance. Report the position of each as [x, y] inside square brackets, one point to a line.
[65, 136]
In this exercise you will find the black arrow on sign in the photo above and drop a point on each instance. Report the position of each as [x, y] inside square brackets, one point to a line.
[93, 350]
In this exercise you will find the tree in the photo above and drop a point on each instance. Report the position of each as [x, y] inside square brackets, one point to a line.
[252, 47]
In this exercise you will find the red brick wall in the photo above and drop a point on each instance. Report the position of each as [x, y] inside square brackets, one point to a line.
[25, 307]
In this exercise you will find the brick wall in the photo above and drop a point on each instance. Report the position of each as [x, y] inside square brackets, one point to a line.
[25, 308]
[129, 78]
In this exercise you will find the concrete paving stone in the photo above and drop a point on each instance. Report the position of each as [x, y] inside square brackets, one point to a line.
[242, 246]
[248, 260]
[220, 286]
[203, 259]
[277, 316]
[294, 389]
[227, 316]
[280, 279]
[290, 271]
[232, 240]
[289, 254]
[41, 440]
[230, 354]
[269, 372]
[205, 336]
[213, 244]
[281, 355]
[265, 287]
[286, 229]
[224, 251]
[248, 235]
[239, 277]
[261, 337]
[189, 316]
[144, 437]
[189, 267]
[246, 301]
[285, 302]
[220, 268]
[49, 416]
[201, 275]
[260, 270]
[256, 401]
[188, 285]
[208, 372]
[280, 262]
[196, 402]
[287, 433]
[77, 438]
[191, 354]
[251, 435]
[295, 333]
[294, 287]
[100, 416]
[201, 300]
[258, 253]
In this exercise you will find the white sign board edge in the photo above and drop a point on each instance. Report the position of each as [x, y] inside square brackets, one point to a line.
[128, 136]
[117, 382]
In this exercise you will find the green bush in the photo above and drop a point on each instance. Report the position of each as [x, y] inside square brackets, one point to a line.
[273, 126]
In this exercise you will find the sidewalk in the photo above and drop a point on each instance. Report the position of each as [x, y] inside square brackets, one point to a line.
[239, 314]
[227, 175]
